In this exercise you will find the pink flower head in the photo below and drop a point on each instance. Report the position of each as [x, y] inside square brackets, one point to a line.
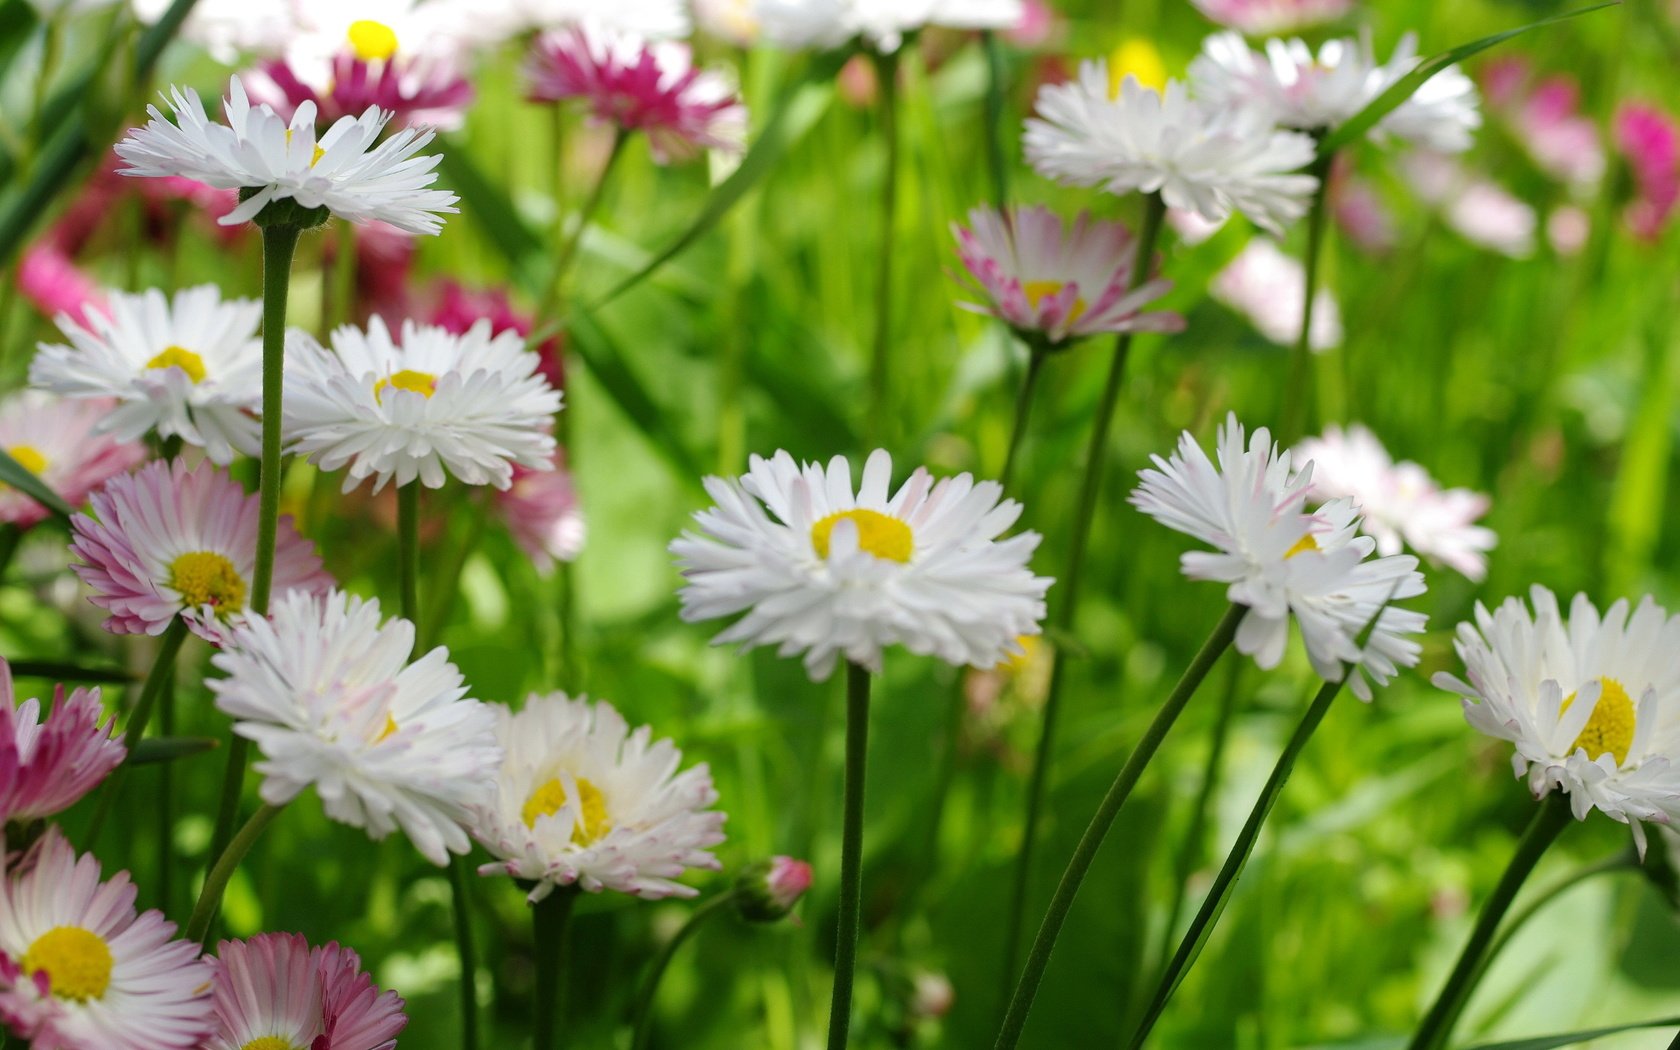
[768, 890]
[58, 440]
[787, 880]
[1546, 119]
[1034, 29]
[418, 90]
[1052, 283]
[1268, 286]
[459, 308]
[54, 285]
[168, 540]
[1272, 17]
[541, 510]
[637, 85]
[46, 766]
[276, 986]
[1650, 140]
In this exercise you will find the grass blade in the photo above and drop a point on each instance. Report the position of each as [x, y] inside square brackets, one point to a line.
[1551, 1042]
[30, 484]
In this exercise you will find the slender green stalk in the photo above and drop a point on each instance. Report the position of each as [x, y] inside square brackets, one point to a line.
[1062, 619]
[447, 584]
[851, 856]
[569, 248]
[1293, 419]
[1548, 822]
[880, 359]
[157, 681]
[408, 550]
[997, 85]
[1020, 1002]
[1023, 413]
[166, 802]
[548, 922]
[215, 883]
[640, 1025]
[461, 906]
[1626, 860]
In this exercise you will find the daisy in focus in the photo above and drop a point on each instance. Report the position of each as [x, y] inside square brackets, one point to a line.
[634, 84]
[1267, 286]
[60, 442]
[1264, 17]
[80, 969]
[1588, 700]
[1054, 284]
[48, 762]
[327, 693]
[1198, 157]
[822, 572]
[435, 404]
[269, 159]
[187, 366]
[168, 541]
[1399, 503]
[1283, 563]
[583, 800]
[275, 992]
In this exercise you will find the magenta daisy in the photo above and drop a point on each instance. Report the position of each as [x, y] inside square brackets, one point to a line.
[170, 540]
[638, 85]
[541, 511]
[59, 442]
[1054, 283]
[79, 969]
[275, 992]
[48, 763]
[426, 90]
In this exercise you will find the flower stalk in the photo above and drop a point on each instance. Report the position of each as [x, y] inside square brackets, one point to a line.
[550, 918]
[641, 1024]
[1296, 394]
[851, 856]
[215, 883]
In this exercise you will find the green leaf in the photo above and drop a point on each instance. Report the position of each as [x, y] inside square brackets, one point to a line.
[156, 749]
[1401, 90]
[595, 348]
[492, 208]
[67, 672]
[1550, 1042]
[30, 484]
[17, 22]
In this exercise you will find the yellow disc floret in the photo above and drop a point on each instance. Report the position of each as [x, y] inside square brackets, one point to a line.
[269, 1042]
[29, 458]
[182, 358]
[1038, 291]
[550, 797]
[77, 962]
[422, 383]
[1139, 58]
[1302, 545]
[207, 578]
[372, 41]
[1610, 729]
[879, 534]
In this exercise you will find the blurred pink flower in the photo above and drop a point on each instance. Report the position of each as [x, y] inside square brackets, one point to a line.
[276, 987]
[424, 89]
[542, 513]
[1360, 211]
[54, 285]
[58, 440]
[1567, 229]
[1037, 23]
[1546, 118]
[1267, 286]
[1272, 17]
[48, 763]
[458, 307]
[1650, 141]
[1481, 211]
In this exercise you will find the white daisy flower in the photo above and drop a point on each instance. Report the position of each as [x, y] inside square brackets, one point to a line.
[187, 367]
[1592, 703]
[257, 153]
[826, 573]
[582, 800]
[883, 24]
[490, 23]
[328, 695]
[472, 405]
[1283, 563]
[78, 967]
[1400, 503]
[1200, 158]
[227, 29]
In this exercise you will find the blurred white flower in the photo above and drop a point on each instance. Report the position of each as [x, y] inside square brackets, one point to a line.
[1480, 211]
[1267, 286]
[883, 24]
[1264, 17]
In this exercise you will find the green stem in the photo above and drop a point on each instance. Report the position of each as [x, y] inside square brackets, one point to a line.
[996, 87]
[886, 76]
[461, 905]
[1062, 620]
[447, 584]
[1023, 413]
[157, 680]
[1624, 861]
[1548, 822]
[548, 922]
[1293, 419]
[408, 551]
[279, 243]
[569, 249]
[166, 802]
[1020, 1003]
[851, 856]
[215, 883]
[650, 985]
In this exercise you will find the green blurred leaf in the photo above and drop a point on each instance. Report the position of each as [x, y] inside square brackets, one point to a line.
[1550, 1042]
[595, 348]
[492, 208]
[30, 484]
[155, 749]
[68, 672]
[17, 21]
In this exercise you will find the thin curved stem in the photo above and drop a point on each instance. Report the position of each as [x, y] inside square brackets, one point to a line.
[880, 360]
[549, 919]
[461, 906]
[157, 681]
[650, 985]
[1023, 414]
[1020, 1003]
[851, 856]
[215, 883]
[569, 248]
[1295, 396]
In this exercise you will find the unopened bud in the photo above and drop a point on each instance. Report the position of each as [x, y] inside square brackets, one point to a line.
[768, 890]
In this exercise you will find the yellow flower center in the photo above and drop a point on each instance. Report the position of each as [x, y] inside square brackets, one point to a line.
[372, 41]
[207, 578]
[1038, 291]
[77, 962]
[316, 157]
[1302, 545]
[1610, 729]
[1139, 58]
[1015, 663]
[387, 731]
[422, 383]
[182, 358]
[879, 534]
[550, 796]
[29, 458]
[269, 1042]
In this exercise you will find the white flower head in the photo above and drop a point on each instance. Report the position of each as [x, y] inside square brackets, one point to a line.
[1201, 158]
[472, 405]
[882, 24]
[188, 366]
[327, 693]
[583, 800]
[1591, 702]
[823, 572]
[268, 160]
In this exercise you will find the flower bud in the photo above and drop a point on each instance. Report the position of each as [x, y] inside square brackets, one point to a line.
[768, 890]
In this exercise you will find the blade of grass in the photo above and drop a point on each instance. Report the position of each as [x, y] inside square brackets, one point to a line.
[30, 484]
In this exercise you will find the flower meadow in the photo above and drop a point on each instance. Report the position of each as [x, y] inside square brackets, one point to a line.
[839, 523]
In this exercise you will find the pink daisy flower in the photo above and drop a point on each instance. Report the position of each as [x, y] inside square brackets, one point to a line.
[54, 285]
[58, 441]
[80, 969]
[1650, 140]
[1053, 283]
[426, 90]
[168, 540]
[459, 308]
[638, 85]
[47, 765]
[275, 992]
[541, 510]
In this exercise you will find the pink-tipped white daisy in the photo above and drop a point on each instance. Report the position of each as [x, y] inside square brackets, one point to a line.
[60, 442]
[269, 159]
[435, 404]
[49, 762]
[1591, 702]
[275, 992]
[1283, 563]
[1267, 287]
[168, 541]
[79, 969]
[637, 85]
[1265, 17]
[1399, 503]
[582, 800]
[187, 366]
[1200, 158]
[822, 572]
[541, 511]
[1054, 283]
[327, 693]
